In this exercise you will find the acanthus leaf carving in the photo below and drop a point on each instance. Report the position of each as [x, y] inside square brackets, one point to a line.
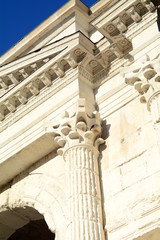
[78, 138]
[145, 77]
[79, 129]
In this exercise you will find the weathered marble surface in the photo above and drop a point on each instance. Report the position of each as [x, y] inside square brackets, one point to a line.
[107, 57]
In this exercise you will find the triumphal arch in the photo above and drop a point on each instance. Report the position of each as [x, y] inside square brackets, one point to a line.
[80, 126]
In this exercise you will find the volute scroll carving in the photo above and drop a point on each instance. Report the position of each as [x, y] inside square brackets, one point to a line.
[81, 129]
[78, 139]
[145, 77]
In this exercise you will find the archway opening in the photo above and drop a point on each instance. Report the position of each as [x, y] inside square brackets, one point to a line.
[33, 230]
[24, 223]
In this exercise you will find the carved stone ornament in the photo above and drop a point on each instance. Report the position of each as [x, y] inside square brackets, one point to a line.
[34, 78]
[145, 77]
[79, 139]
[80, 129]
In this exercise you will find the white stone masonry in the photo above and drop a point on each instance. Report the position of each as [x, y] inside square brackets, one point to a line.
[79, 138]
[146, 80]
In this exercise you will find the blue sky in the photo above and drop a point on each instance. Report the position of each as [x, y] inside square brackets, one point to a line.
[19, 17]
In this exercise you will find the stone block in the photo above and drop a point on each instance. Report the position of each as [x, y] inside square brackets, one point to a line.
[133, 171]
[112, 182]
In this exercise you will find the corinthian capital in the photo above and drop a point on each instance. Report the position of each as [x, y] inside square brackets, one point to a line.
[81, 129]
[145, 78]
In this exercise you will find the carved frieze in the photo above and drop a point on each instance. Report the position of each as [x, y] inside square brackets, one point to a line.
[94, 60]
[13, 78]
[115, 25]
[36, 84]
[121, 16]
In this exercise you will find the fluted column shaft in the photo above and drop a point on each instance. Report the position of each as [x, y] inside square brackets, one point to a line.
[84, 196]
[78, 138]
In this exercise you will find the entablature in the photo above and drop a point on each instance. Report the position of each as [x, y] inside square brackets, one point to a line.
[28, 80]
[24, 78]
[120, 23]
[120, 17]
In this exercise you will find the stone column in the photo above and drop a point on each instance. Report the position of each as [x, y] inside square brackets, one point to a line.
[146, 80]
[84, 196]
[79, 138]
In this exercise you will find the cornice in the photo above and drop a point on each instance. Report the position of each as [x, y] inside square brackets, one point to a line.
[27, 77]
[89, 68]
[100, 7]
[75, 51]
[122, 15]
[120, 24]
[65, 11]
[44, 76]
[136, 29]
[39, 99]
